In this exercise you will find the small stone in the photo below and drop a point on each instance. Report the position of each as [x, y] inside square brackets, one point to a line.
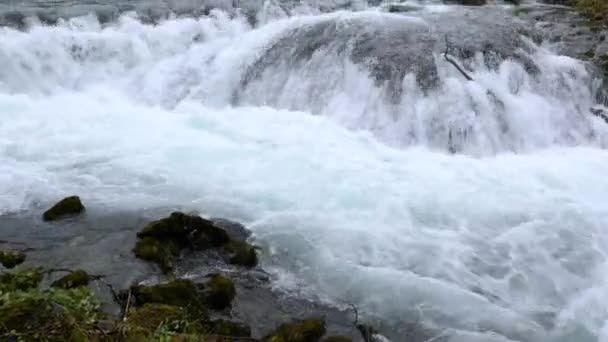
[68, 206]
[10, 259]
[73, 280]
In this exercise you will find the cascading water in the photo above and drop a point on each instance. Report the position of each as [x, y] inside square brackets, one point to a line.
[370, 170]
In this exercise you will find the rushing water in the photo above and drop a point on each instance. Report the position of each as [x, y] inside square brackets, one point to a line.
[345, 173]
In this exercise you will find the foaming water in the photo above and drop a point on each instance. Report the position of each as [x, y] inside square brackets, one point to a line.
[352, 195]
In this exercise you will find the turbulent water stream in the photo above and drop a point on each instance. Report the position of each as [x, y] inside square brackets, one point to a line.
[369, 169]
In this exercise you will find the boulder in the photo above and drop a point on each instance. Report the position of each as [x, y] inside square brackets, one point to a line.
[162, 241]
[68, 206]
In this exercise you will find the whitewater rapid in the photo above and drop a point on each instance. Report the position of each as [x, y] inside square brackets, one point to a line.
[506, 242]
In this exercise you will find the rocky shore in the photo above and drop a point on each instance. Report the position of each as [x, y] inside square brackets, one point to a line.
[228, 298]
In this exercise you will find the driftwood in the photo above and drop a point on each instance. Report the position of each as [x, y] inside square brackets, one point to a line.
[452, 61]
[600, 113]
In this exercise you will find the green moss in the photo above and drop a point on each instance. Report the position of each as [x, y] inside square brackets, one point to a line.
[52, 315]
[219, 292]
[172, 227]
[180, 292]
[337, 339]
[242, 253]
[309, 330]
[595, 10]
[10, 259]
[75, 279]
[22, 280]
[66, 207]
[228, 328]
[148, 319]
[162, 253]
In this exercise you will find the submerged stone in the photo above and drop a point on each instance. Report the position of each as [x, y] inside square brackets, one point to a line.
[10, 259]
[20, 280]
[179, 292]
[66, 207]
[219, 292]
[308, 330]
[75, 279]
[242, 253]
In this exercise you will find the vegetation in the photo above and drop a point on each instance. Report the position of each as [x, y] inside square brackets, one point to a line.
[595, 10]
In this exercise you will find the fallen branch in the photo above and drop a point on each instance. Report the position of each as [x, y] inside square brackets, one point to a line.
[599, 113]
[453, 62]
[126, 310]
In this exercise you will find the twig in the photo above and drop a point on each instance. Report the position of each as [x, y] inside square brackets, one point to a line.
[126, 312]
[600, 114]
[356, 314]
[453, 62]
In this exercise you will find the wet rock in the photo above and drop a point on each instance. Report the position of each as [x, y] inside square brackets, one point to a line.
[242, 253]
[219, 292]
[228, 328]
[23, 279]
[10, 259]
[162, 241]
[308, 330]
[75, 279]
[161, 253]
[68, 206]
[179, 292]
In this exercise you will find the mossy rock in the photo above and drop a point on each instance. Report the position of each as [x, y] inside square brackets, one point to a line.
[162, 253]
[308, 330]
[242, 253]
[75, 279]
[53, 315]
[228, 328]
[21, 280]
[68, 206]
[179, 292]
[10, 259]
[183, 229]
[337, 338]
[219, 292]
[161, 241]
